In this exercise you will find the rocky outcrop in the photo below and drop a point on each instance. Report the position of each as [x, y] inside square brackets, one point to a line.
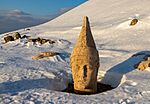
[84, 61]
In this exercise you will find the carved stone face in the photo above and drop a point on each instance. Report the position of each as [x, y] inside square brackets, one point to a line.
[86, 77]
[85, 66]
[85, 61]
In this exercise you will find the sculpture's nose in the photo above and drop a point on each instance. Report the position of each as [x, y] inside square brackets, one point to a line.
[84, 71]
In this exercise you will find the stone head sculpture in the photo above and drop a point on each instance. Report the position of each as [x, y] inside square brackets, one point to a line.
[84, 61]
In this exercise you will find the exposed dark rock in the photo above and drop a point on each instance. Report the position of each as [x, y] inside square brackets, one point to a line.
[24, 36]
[51, 42]
[133, 22]
[40, 40]
[8, 38]
[32, 40]
[17, 35]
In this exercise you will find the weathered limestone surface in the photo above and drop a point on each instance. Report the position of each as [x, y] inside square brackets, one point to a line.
[44, 54]
[84, 61]
[144, 64]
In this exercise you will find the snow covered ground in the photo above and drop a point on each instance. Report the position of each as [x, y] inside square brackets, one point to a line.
[120, 46]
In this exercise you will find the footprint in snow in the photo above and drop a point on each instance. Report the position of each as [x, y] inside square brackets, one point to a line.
[132, 90]
[131, 83]
[145, 93]
[126, 101]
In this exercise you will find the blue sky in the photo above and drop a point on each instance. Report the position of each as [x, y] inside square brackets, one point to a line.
[39, 7]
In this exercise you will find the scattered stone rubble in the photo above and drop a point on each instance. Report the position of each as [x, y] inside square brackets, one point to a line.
[14, 36]
[40, 40]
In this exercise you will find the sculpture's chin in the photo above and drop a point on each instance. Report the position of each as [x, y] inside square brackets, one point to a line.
[85, 86]
[88, 91]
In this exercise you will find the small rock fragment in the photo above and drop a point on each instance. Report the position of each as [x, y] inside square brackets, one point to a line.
[24, 36]
[32, 40]
[133, 22]
[8, 38]
[44, 54]
[51, 42]
[143, 64]
[17, 35]
[42, 41]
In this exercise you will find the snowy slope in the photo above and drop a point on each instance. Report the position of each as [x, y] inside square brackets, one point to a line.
[101, 13]
[120, 47]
